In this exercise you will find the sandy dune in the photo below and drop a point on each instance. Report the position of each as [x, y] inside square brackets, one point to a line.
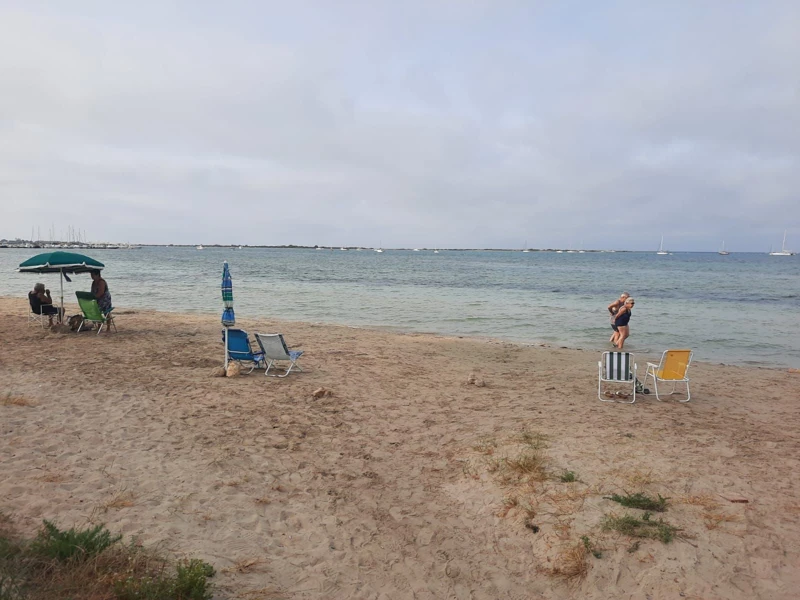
[396, 485]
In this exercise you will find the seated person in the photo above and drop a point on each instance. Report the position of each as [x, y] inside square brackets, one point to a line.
[42, 303]
[100, 291]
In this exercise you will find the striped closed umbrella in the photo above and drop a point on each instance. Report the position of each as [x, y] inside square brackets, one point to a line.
[228, 317]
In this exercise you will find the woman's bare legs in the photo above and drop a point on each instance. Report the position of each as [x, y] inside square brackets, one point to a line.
[624, 332]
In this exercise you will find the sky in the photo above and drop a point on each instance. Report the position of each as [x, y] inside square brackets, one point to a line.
[422, 123]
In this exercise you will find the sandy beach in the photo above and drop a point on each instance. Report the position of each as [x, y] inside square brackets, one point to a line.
[406, 481]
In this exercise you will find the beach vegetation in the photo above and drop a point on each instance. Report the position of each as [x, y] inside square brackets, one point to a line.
[485, 445]
[572, 562]
[91, 563]
[641, 501]
[644, 527]
[568, 477]
[535, 440]
[72, 544]
[529, 465]
[10, 399]
[590, 547]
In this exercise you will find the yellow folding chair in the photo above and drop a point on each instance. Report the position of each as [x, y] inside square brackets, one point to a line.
[673, 367]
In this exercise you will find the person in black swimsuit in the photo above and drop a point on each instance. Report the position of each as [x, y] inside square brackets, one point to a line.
[612, 310]
[621, 320]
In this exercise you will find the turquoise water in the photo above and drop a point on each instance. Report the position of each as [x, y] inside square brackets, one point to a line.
[739, 309]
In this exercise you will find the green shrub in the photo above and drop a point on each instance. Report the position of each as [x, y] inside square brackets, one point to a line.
[188, 583]
[641, 528]
[641, 501]
[73, 543]
[568, 477]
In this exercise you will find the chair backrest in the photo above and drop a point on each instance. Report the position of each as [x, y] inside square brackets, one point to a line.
[89, 307]
[273, 346]
[617, 366]
[239, 345]
[36, 305]
[674, 364]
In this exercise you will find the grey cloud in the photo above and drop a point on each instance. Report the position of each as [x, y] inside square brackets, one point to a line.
[445, 127]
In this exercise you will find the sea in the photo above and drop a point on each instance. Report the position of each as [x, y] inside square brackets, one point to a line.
[741, 309]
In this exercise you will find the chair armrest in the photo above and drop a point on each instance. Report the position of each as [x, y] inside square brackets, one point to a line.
[652, 365]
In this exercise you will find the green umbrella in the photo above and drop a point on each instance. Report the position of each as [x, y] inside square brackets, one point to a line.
[62, 263]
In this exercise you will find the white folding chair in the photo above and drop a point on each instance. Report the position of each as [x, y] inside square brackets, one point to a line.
[673, 367]
[618, 368]
[274, 348]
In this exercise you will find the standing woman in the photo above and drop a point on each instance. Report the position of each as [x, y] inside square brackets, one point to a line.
[621, 320]
[100, 291]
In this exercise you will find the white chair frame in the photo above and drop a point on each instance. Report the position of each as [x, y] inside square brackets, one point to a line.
[38, 318]
[653, 369]
[632, 368]
[274, 348]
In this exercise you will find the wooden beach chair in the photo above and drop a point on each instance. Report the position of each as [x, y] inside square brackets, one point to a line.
[239, 349]
[673, 367]
[274, 348]
[617, 368]
[92, 313]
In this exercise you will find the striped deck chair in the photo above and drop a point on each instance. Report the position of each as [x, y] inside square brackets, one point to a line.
[674, 367]
[616, 367]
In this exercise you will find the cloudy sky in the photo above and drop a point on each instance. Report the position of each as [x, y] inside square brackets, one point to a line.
[450, 123]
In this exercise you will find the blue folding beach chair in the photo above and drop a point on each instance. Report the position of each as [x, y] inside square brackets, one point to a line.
[239, 349]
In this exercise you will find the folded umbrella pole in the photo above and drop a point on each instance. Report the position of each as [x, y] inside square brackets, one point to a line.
[228, 317]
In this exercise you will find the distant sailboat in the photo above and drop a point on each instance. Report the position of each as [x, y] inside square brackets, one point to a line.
[380, 247]
[661, 247]
[783, 251]
[723, 252]
[526, 247]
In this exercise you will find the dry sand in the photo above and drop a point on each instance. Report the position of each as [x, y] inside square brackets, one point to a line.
[396, 486]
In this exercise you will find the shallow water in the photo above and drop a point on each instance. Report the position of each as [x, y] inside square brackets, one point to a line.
[740, 309]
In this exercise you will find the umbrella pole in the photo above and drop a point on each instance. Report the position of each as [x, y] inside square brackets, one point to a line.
[226, 347]
[61, 276]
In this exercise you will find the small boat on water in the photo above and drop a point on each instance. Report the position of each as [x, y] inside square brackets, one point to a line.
[200, 247]
[783, 251]
[723, 252]
[661, 247]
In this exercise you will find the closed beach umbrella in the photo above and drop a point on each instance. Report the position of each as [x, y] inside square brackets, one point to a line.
[228, 317]
[62, 263]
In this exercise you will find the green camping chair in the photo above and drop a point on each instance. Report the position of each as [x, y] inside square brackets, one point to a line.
[92, 313]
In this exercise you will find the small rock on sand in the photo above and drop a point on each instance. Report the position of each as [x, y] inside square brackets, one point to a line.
[218, 372]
